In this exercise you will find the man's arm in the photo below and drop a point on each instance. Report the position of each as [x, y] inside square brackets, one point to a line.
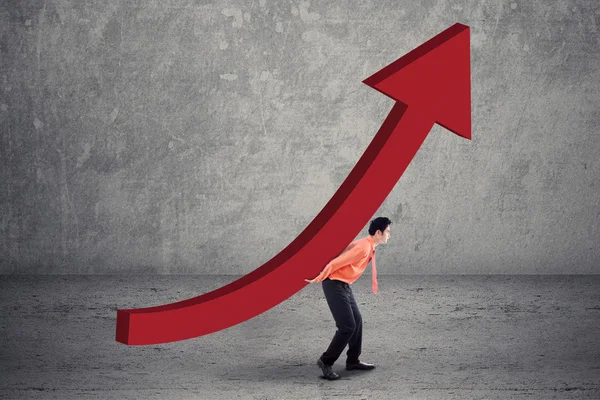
[349, 256]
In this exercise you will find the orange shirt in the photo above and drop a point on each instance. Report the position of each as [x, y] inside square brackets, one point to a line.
[349, 266]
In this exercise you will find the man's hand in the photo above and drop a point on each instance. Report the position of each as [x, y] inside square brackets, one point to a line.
[310, 280]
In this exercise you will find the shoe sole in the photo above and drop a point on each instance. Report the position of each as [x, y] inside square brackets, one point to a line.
[359, 369]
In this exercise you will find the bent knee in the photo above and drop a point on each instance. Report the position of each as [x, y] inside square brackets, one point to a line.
[348, 327]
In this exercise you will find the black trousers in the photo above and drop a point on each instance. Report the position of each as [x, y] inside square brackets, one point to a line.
[347, 320]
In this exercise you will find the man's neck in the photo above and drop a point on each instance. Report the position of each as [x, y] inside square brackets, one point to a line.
[375, 242]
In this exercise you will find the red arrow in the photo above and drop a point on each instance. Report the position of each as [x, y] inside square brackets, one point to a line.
[431, 84]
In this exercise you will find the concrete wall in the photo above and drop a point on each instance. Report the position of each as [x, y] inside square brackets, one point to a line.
[202, 137]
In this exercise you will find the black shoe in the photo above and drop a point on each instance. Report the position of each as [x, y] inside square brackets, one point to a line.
[327, 371]
[360, 365]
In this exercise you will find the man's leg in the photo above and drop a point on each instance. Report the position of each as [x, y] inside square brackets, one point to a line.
[355, 343]
[337, 294]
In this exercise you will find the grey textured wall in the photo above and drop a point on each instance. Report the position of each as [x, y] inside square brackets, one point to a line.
[202, 137]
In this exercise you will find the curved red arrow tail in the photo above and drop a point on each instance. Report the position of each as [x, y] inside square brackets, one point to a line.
[346, 213]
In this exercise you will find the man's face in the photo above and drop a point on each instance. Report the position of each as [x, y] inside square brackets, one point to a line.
[385, 235]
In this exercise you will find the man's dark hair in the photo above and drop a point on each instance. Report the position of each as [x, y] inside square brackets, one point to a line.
[379, 224]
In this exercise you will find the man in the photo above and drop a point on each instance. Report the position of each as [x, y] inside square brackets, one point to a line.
[337, 277]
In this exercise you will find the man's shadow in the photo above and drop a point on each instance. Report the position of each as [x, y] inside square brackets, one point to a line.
[282, 370]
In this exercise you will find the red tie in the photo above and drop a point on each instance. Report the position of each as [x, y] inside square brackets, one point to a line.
[374, 273]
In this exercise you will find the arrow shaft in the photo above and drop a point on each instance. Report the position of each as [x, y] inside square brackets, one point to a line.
[405, 129]
[358, 198]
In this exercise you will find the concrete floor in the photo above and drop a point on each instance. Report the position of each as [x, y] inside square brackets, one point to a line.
[432, 337]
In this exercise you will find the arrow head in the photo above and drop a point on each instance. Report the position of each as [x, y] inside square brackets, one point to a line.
[435, 77]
